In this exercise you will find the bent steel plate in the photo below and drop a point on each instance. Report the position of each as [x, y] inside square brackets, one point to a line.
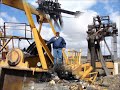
[15, 79]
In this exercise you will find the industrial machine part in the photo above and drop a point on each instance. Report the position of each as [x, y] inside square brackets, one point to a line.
[14, 79]
[54, 10]
[29, 10]
[32, 50]
[31, 64]
[76, 69]
[102, 27]
[6, 38]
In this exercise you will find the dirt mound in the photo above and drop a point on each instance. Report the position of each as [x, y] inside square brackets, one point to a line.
[112, 82]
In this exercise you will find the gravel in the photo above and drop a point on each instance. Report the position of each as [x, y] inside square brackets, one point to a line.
[62, 85]
[115, 83]
[111, 82]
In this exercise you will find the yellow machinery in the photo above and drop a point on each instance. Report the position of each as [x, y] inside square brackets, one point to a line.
[23, 5]
[16, 67]
[16, 63]
[79, 70]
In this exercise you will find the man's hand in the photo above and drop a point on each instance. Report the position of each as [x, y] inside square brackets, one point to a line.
[63, 49]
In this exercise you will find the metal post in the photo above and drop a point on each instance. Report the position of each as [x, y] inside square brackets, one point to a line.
[25, 31]
[108, 47]
[4, 30]
[115, 54]
[91, 46]
[114, 47]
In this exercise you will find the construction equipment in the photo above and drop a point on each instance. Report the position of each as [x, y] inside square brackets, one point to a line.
[29, 10]
[18, 64]
[54, 10]
[102, 27]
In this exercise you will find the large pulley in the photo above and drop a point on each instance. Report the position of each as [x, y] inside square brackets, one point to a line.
[14, 57]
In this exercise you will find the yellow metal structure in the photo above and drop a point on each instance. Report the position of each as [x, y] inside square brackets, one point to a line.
[36, 35]
[74, 57]
[82, 71]
[109, 65]
[29, 10]
[15, 55]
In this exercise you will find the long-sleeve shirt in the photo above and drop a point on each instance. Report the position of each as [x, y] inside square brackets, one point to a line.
[57, 42]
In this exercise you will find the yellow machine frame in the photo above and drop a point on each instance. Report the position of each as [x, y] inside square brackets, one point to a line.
[76, 68]
[80, 70]
[23, 5]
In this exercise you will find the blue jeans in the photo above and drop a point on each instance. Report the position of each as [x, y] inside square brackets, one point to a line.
[57, 53]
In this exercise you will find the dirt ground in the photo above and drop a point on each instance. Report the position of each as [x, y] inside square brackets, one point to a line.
[111, 82]
[52, 86]
[104, 83]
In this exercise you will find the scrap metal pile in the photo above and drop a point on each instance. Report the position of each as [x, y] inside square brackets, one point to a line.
[102, 27]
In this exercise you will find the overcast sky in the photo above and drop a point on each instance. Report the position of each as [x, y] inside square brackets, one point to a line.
[74, 29]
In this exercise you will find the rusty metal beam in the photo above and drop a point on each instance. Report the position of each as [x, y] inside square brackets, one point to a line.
[6, 44]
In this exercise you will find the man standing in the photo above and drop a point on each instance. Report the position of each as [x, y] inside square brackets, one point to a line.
[59, 44]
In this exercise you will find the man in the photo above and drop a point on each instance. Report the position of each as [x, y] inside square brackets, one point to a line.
[59, 44]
